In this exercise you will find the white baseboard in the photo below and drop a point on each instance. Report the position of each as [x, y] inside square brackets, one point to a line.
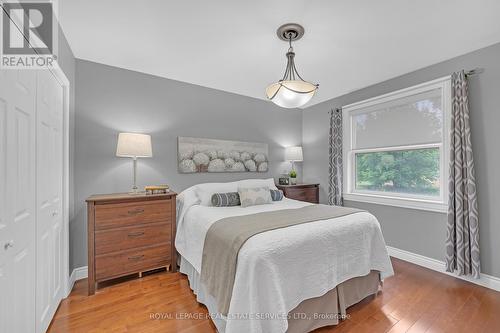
[77, 274]
[488, 281]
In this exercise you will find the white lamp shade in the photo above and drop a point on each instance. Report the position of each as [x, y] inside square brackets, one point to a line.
[134, 145]
[293, 154]
[291, 94]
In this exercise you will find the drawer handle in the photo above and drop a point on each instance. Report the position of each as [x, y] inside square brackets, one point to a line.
[136, 257]
[136, 234]
[136, 211]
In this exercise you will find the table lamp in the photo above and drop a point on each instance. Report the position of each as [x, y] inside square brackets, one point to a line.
[134, 145]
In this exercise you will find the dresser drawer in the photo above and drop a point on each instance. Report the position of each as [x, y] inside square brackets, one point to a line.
[123, 214]
[126, 238]
[114, 265]
[308, 194]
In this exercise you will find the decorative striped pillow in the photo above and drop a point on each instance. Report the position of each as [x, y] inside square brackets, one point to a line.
[276, 195]
[226, 199]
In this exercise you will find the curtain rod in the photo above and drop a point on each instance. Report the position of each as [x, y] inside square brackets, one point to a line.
[474, 71]
[471, 72]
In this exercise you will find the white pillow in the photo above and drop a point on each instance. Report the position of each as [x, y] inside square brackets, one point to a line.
[205, 191]
[252, 196]
[269, 182]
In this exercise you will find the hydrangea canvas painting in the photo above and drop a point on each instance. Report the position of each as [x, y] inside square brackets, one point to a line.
[211, 155]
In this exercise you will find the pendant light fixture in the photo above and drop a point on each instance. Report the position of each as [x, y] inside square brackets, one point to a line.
[292, 91]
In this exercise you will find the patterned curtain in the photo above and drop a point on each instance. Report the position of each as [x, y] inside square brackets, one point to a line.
[335, 162]
[462, 239]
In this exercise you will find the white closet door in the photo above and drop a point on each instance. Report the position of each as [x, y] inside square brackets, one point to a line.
[17, 198]
[49, 197]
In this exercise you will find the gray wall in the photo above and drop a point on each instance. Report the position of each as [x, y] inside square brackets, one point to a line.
[419, 231]
[111, 100]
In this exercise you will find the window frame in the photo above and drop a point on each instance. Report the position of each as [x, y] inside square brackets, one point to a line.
[422, 202]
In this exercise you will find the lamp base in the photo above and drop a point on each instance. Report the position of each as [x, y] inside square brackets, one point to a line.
[135, 191]
[134, 187]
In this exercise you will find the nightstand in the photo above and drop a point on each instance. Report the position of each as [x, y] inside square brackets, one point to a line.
[129, 233]
[302, 192]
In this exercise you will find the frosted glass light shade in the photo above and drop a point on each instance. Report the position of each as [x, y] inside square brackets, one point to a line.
[291, 94]
[134, 145]
[293, 154]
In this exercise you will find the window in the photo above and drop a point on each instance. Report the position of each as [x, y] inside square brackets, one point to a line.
[396, 147]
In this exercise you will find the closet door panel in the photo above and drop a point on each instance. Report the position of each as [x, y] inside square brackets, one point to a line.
[44, 207]
[17, 194]
[56, 166]
[3, 214]
[22, 148]
[49, 197]
[3, 167]
[23, 173]
[4, 310]
[23, 275]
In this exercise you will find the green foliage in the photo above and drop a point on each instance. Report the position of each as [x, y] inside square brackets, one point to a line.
[293, 174]
[407, 171]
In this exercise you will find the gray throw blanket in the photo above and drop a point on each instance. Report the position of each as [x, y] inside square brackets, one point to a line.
[225, 237]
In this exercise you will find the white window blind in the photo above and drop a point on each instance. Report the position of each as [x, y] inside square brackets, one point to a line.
[411, 120]
[395, 147]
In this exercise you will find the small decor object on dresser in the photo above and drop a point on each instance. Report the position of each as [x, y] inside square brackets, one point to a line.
[283, 181]
[302, 192]
[197, 155]
[129, 233]
[293, 154]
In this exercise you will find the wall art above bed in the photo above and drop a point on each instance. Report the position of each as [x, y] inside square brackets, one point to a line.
[211, 155]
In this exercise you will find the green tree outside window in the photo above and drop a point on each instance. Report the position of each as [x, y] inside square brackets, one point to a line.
[413, 171]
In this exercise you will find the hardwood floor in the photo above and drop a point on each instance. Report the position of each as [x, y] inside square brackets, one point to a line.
[414, 300]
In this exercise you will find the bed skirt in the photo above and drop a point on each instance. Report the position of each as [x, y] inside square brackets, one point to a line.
[310, 314]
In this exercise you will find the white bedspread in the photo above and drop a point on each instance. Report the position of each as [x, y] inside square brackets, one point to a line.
[279, 269]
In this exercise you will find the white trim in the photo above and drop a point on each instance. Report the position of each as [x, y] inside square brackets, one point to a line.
[435, 204]
[408, 91]
[392, 148]
[78, 273]
[485, 280]
[410, 203]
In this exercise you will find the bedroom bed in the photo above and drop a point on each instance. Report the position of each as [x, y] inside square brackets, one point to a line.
[288, 279]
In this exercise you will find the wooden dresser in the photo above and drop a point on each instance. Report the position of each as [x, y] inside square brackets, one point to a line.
[302, 192]
[129, 234]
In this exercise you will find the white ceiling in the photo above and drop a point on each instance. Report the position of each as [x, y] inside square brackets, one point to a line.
[232, 45]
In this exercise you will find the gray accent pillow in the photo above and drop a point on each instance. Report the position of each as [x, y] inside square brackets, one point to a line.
[225, 199]
[254, 196]
[276, 195]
